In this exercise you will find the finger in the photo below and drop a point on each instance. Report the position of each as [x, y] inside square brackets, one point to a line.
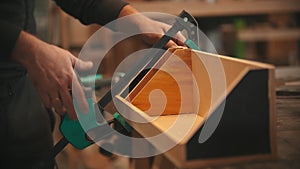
[66, 99]
[82, 65]
[179, 39]
[45, 98]
[57, 103]
[79, 95]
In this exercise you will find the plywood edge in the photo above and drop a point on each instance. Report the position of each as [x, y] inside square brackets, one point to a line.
[192, 125]
[252, 64]
[240, 76]
[272, 97]
[125, 102]
[228, 160]
[219, 76]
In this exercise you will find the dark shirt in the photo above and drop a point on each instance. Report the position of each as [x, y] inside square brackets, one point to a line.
[17, 15]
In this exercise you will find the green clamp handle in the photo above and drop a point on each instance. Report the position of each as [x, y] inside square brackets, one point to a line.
[76, 135]
[73, 131]
[191, 44]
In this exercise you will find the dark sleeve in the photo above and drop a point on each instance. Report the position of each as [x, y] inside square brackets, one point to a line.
[9, 35]
[92, 11]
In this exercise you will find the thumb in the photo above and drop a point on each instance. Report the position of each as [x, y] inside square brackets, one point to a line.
[82, 65]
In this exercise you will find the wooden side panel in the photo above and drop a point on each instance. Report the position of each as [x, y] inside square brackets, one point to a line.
[215, 77]
[234, 72]
[169, 91]
[202, 86]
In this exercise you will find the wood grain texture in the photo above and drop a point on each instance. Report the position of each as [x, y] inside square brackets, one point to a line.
[169, 91]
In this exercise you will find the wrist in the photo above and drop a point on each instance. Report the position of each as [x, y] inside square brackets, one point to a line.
[25, 49]
[133, 23]
[127, 10]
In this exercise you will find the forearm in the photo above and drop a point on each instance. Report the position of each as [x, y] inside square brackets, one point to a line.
[26, 48]
[92, 11]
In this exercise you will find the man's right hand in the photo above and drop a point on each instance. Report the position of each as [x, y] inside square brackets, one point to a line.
[51, 70]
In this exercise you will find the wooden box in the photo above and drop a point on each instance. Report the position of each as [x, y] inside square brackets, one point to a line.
[230, 102]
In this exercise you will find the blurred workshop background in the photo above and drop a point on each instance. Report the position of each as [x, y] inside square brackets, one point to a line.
[261, 30]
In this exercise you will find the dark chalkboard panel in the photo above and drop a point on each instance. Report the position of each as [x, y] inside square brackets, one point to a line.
[244, 128]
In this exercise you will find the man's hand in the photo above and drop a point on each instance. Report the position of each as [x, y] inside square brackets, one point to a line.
[51, 70]
[161, 29]
[139, 23]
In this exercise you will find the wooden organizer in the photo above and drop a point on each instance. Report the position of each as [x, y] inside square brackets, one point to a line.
[246, 130]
